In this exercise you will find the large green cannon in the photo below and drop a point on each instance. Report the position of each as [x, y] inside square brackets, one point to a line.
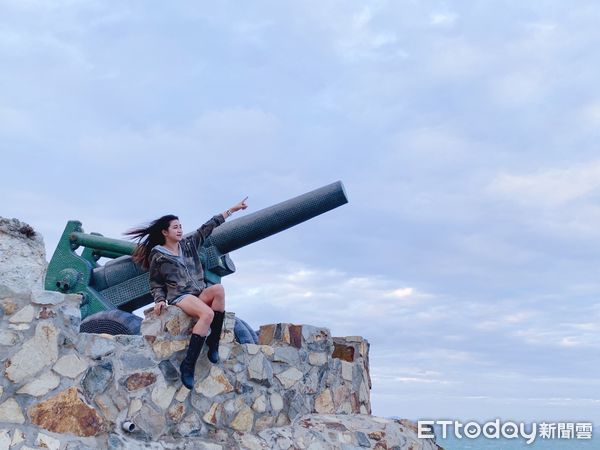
[111, 292]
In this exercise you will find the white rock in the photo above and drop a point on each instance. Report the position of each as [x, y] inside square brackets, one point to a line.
[182, 394]
[70, 366]
[318, 446]
[100, 345]
[276, 401]
[317, 359]
[40, 385]
[37, 353]
[24, 315]
[214, 384]
[267, 350]
[18, 437]
[209, 446]
[10, 412]
[46, 441]
[251, 442]
[252, 349]
[4, 440]
[22, 259]
[256, 368]
[8, 338]
[224, 352]
[260, 404]
[41, 297]
[244, 420]
[163, 395]
[347, 370]
[19, 326]
[290, 377]
[135, 406]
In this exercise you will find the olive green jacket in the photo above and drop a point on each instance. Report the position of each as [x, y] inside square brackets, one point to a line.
[172, 276]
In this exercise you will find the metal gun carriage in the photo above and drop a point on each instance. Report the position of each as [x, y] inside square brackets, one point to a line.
[111, 292]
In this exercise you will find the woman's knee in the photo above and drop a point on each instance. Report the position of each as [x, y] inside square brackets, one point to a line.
[206, 315]
[218, 290]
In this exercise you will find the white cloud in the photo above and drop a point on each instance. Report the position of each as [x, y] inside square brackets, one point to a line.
[359, 38]
[288, 292]
[549, 188]
[443, 19]
[401, 292]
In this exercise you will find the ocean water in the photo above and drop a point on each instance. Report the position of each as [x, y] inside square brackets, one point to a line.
[453, 443]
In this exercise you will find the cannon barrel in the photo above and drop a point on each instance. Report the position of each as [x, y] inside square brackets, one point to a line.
[108, 246]
[124, 285]
[261, 224]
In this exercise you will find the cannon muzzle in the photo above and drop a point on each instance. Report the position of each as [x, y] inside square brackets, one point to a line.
[261, 224]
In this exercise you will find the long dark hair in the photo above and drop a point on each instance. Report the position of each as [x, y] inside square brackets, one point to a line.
[149, 236]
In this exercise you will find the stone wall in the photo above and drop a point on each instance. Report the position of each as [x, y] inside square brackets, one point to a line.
[296, 370]
[61, 389]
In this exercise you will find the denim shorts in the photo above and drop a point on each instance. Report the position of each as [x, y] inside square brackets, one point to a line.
[178, 299]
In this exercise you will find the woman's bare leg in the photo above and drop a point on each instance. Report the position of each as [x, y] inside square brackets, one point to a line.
[198, 309]
[214, 297]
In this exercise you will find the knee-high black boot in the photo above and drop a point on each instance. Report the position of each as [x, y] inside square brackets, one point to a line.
[188, 365]
[214, 337]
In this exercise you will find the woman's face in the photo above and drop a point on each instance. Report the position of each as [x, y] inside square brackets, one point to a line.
[175, 232]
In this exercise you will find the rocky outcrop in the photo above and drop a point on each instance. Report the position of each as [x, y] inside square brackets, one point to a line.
[22, 257]
[61, 389]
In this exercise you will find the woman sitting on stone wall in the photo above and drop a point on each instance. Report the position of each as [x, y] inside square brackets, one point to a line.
[177, 278]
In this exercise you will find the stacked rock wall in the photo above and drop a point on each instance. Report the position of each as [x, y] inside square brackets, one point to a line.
[295, 370]
[61, 389]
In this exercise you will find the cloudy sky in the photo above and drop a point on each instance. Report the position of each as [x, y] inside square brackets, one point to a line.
[465, 133]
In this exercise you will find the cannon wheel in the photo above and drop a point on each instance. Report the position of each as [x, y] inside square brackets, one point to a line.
[112, 322]
[121, 322]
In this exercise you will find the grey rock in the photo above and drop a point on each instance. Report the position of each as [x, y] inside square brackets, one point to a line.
[100, 346]
[136, 362]
[8, 337]
[71, 315]
[169, 371]
[317, 339]
[299, 405]
[150, 421]
[79, 446]
[362, 439]
[191, 426]
[97, 378]
[260, 370]
[114, 441]
[243, 388]
[130, 339]
[288, 355]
